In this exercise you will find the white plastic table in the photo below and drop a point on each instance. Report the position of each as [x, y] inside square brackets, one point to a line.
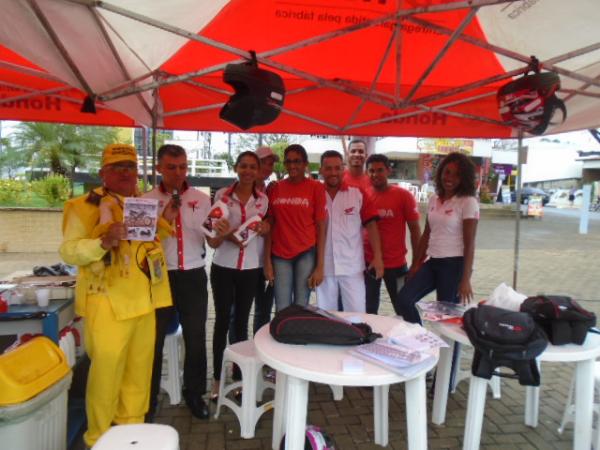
[297, 365]
[582, 355]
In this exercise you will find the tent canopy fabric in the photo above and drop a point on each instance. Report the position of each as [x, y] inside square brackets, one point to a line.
[363, 67]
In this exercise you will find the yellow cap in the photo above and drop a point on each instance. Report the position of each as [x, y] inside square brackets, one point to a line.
[114, 153]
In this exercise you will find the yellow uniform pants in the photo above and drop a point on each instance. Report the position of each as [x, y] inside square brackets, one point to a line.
[121, 354]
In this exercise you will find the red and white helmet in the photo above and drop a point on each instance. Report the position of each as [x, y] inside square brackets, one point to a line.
[530, 102]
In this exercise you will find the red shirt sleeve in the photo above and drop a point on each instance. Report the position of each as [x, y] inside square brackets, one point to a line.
[368, 211]
[320, 212]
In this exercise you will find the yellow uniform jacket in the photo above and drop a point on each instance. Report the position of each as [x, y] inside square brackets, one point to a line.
[120, 274]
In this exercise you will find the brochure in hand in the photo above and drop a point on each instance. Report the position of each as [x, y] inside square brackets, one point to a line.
[435, 311]
[247, 231]
[218, 211]
[140, 216]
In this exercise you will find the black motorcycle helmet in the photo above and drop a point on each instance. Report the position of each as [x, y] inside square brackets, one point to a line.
[258, 97]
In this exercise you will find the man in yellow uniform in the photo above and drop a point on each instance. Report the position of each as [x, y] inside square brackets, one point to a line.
[115, 293]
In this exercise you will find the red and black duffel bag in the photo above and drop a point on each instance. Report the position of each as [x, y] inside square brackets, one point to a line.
[561, 317]
[311, 325]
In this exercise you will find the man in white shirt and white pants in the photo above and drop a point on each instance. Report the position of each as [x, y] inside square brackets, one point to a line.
[348, 212]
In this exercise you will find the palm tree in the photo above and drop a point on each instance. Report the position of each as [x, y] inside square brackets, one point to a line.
[60, 148]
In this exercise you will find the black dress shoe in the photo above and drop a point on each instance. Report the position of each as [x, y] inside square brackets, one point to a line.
[197, 405]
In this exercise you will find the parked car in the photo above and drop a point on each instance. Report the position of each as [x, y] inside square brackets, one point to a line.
[529, 191]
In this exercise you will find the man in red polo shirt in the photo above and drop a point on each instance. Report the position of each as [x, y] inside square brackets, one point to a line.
[355, 174]
[397, 209]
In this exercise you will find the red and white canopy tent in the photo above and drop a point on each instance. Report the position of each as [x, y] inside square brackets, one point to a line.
[362, 67]
[427, 68]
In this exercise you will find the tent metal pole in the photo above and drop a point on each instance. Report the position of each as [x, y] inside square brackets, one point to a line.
[154, 181]
[28, 71]
[438, 109]
[548, 64]
[115, 53]
[384, 58]
[31, 94]
[453, 37]
[145, 158]
[518, 183]
[398, 56]
[50, 93]
[45, 23]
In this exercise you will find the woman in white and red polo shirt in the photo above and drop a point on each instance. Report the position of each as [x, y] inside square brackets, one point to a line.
[294, 251]
[448, 241]
[236, 267]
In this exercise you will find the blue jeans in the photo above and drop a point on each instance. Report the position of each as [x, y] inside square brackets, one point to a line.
[291, 278]
[441, 274]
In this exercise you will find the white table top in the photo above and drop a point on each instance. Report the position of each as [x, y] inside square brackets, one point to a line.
[323, 363]
[590, 349]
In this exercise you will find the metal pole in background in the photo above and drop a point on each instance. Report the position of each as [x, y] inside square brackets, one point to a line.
[518, 182]
[154, 182]
[584, 216]
[145, 158]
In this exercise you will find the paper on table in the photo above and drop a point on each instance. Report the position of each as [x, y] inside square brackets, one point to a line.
[140, 216]
[421, 341]
[402, 369]
[436, 311]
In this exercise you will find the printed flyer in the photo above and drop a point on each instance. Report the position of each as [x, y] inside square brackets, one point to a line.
[140, 216]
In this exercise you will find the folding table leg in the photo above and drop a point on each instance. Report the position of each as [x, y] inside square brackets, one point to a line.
[297, 403]
[380, 414]
[416, 413]
[337, 391]
[584, 404]
[279, 413]
[442, 381]
[532, 402]
[475, 410]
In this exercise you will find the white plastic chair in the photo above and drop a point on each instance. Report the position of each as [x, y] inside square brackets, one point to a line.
[414, 190]
[253, 385]
[423, 194]
[139, 436]
[170, 380]
[493, 383]
[569, 414]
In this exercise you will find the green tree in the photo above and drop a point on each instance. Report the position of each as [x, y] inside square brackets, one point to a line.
[227, 157]
[62, 148]
[277, 142]
[248, 141]
[11, 159]
[55, 189]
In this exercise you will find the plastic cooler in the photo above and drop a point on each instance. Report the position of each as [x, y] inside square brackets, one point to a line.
[34, 381]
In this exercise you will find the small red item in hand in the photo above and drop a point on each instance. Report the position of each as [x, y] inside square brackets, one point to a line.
[216, 213]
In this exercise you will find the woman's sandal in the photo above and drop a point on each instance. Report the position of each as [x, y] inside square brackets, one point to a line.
[214, 396]
[237, 394]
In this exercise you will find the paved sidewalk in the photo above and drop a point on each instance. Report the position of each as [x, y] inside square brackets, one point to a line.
[554, 258]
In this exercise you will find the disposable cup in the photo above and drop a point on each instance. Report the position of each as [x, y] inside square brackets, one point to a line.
[43, 297]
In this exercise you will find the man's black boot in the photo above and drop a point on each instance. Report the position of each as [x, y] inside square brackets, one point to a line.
[196, 404]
